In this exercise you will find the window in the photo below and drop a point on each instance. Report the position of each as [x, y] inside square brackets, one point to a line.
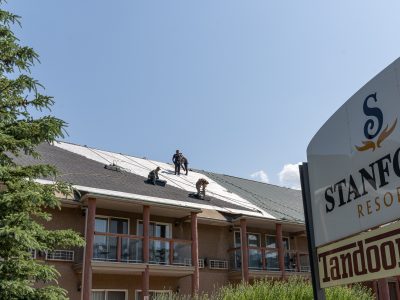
[255, 255]
[105, 247]
[272, 256]
[112, 225]
[270, 242]
[253, 240]
[62, 255]
[156, 229]
[109, 295]
[152, 293]
[159, 248]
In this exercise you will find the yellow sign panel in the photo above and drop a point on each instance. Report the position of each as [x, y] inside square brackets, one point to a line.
[367, 256]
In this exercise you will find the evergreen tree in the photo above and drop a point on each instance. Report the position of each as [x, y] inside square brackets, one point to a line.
[24, 203]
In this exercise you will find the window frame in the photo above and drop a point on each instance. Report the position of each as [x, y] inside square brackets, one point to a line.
[137, 291]
[155, 223]
[108, 222]
[274, 235]
[110, 290]
[240, 233]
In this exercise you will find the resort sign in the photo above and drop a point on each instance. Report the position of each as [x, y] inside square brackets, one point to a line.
[351, 184]
[354, 162]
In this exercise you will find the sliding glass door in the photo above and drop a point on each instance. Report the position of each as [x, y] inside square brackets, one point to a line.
[105, 247]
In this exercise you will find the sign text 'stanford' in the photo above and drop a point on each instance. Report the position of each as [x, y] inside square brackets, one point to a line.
[375, 176]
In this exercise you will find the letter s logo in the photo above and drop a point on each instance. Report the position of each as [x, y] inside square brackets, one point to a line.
[373, 112]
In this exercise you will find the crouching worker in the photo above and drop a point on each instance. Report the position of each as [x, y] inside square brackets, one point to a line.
[154, 179]
[201, 185]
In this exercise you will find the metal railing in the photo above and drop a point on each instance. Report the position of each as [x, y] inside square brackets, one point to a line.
[117, 247]
[129, 249]
[263, 258]
[165, 251]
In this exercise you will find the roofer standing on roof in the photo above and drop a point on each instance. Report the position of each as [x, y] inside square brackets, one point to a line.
[201, 185]
[177, 160]
[185, 163]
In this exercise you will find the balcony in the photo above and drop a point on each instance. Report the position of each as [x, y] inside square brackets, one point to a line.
[266, 259]
[118, 248]
[122, 253]
[165, 251]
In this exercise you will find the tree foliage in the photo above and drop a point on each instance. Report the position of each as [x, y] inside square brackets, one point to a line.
[25, 203]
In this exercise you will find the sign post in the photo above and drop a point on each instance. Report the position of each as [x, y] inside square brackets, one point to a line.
[319, 293]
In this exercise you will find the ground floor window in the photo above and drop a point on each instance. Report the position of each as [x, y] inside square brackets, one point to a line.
[109, 295]
[152, 293]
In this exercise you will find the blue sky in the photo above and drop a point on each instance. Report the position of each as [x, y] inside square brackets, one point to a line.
[239, 86]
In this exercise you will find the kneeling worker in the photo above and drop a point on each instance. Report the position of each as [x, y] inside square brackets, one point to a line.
[153, 177]
[201, 185]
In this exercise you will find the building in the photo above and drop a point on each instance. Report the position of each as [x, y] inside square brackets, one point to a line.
[144, 239]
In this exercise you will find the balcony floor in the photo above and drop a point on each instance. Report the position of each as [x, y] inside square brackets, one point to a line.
[110, 267]
[123, 268]
[258, 274]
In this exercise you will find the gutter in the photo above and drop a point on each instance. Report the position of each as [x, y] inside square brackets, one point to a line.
[256, 218]
[138, 199]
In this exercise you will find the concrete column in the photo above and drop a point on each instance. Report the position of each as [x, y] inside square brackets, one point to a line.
[383, 288]
[245, 250]
[87, 267]
[146, 248]
[145, 283]
[281, 250]
[195, 255]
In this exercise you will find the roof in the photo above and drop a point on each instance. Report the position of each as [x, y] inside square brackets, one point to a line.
[83, 167]
[81, 171]
[281, 202]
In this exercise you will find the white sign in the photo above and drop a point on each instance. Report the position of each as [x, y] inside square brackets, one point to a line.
[354, 162]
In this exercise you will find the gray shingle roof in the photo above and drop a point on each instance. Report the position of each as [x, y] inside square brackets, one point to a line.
[79, 170]
[282, 203]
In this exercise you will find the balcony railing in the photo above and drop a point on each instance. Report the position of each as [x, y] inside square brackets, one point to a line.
[262, 258]
[118, 247]
[129, 249]
[170, 251]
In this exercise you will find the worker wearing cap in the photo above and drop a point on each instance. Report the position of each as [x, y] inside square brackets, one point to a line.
[201, 185]
[153, 176]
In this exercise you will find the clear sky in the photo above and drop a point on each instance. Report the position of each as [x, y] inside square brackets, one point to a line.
[240, 87]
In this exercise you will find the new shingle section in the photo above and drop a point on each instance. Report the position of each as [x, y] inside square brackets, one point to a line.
[79, 170]
[282, 203]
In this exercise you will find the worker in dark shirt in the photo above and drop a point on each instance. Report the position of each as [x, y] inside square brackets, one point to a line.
[153, 176]
[201, 185]
[185, 164]
[177, 160]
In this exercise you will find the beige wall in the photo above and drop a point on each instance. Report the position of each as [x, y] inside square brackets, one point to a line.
[214, 241]
[69, 280]
[67, 218]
